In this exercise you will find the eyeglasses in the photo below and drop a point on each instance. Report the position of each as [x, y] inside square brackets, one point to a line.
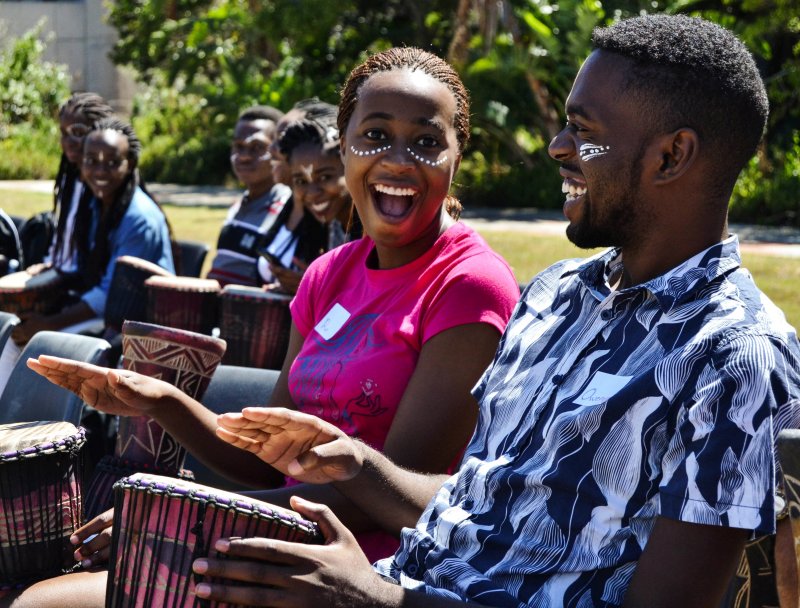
[76, 130]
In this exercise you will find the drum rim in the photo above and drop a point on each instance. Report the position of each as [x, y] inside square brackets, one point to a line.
[201, 494]
[172, 335]
[65, 444]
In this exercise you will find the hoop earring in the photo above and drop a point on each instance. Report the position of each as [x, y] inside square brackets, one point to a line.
[369, 152]
[417, 157]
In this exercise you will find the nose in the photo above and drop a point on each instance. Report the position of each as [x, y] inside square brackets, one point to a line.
[561, 146]
[398, 158]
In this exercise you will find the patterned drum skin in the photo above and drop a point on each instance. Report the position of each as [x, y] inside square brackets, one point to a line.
[127, 296]
[40, 499]
[255, 324]
[183, 303]
[22, 292]
[186, 360]
[161, 525]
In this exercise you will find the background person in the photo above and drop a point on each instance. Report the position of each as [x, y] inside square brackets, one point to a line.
[116, 216]
[249, 220]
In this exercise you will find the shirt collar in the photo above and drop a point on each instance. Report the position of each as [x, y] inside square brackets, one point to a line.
[673, 287]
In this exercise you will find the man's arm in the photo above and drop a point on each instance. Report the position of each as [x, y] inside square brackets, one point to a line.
[687, 565]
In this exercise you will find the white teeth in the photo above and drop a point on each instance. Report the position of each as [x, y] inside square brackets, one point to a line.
[391, 190]
[572, 190]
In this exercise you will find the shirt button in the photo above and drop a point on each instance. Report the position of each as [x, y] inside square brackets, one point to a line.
[606, 315]
[558, 379]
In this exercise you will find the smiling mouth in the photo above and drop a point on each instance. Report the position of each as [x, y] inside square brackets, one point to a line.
[572, 190]
[393, 201]
[320, 207]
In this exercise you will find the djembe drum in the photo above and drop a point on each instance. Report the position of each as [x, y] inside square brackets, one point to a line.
[127, 295]
[186, 360]
[40, 499]
[162, 525]
[183, 302]
[22, 292]
[255, 324]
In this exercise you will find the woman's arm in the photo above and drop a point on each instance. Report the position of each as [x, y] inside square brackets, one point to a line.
[434, 421]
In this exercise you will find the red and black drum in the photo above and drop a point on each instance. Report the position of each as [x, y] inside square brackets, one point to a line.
[183, 302]
[127, 296]
[161, 525]
[255, 323]
[40, 499]
[182, 358]
[22, 292]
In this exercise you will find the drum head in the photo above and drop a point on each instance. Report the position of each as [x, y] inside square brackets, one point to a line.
[21, 437]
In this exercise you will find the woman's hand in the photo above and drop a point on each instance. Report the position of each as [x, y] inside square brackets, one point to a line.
[93, 540]
[279, 573]
[114, 391]
[289, 280]
[297, 444]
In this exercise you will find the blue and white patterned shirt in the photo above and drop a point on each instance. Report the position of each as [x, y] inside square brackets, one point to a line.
[602, 410]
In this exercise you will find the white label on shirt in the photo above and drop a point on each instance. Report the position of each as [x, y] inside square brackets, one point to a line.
[601, 388]
[332, 322]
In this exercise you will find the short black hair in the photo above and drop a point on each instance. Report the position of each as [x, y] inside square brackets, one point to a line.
[273, 115]
[309, 131]
[689, 72]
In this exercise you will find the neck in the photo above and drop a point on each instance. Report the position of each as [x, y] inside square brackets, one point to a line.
[255, 191]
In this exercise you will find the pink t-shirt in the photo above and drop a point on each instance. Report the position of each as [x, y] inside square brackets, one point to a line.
[364, 328]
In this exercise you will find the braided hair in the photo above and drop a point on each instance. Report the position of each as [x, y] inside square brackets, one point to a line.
[92, 108]
[95, 259]
[413, 59]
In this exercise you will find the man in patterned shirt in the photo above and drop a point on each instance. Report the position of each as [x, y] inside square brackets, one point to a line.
[624, 450]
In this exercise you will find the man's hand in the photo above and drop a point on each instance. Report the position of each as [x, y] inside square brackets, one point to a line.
[278, 573]
[289, 280]
[114, 391]
[297, 444]
[31, 324]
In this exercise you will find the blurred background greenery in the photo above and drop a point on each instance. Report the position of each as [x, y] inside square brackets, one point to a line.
[200, 61]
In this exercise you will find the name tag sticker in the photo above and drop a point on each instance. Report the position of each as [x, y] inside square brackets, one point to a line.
[601, 388]
[332, 322]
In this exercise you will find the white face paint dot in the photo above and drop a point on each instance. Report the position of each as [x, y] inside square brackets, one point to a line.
[369, 152]
[590, 151]
[419, 158]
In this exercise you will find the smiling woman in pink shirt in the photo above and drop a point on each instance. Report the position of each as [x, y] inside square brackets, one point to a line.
[391, 331]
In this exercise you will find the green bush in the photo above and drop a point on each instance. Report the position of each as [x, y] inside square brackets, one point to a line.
[29, 153]
[768, 190]
[30, 93]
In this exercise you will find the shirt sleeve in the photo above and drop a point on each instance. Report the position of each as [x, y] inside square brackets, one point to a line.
[719, 467]
[137, 237]
[483, 290]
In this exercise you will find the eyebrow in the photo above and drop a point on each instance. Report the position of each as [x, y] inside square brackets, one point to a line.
[578, 110]
[423, 121]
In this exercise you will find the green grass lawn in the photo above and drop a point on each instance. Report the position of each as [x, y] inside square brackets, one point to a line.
[526, 253]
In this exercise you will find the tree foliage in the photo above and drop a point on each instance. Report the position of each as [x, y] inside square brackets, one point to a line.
[517, 57]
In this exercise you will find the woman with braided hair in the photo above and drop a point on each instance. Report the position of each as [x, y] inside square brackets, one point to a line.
[116, 216]
[389, 332]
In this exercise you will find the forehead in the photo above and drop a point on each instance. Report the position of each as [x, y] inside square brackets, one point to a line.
[261, 128]
[405, 94]
[597, 91]
[312, 154]
[70, 117]
[106, 141]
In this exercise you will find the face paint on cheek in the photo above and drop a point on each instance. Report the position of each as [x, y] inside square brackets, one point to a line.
[591, 151]
[418, 158]
[369, 152]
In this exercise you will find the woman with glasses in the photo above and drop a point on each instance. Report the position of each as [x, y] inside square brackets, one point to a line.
[115, 216]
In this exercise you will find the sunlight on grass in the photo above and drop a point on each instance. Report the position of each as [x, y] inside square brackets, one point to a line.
[527, 254]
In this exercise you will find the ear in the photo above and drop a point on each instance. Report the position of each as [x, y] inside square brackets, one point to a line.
[456, 164]
[675, 153]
